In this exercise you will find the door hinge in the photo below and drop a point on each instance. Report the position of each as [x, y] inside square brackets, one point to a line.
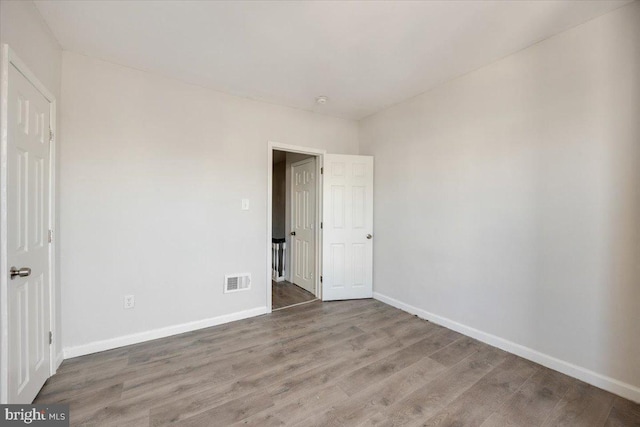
[51, 135]
[320, 279]
[50, 337]
[321, 225]
[321, 170]
[50, 236]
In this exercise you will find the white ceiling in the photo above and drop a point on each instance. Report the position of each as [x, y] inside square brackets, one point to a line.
[364, 56]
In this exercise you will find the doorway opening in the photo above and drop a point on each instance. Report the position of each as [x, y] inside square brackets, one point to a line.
[295, 191]
[338, 231]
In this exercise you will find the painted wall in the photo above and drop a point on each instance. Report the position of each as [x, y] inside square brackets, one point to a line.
[152, 176]
[508, 200]
[23, 29]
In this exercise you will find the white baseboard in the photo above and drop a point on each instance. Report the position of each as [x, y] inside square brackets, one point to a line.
[139, 337]
[604, 382]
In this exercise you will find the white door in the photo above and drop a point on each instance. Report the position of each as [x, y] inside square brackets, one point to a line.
[303, 212]
[27, 169]
[347, 246]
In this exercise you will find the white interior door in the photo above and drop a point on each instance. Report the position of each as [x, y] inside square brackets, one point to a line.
[303, 212]
[27, 155]
[347, 246]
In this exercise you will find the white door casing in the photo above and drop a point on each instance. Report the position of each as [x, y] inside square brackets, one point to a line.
[347, 235]
[303, 211]
[26, 316]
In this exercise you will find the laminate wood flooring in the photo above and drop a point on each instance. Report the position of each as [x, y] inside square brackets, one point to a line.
[285, 294]
[348, 363]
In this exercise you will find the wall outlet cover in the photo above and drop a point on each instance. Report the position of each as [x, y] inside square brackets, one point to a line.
[129, 301]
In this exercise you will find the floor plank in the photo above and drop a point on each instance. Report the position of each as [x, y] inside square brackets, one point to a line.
[533, 403]
[623, 413]
[583, 405]
[477, 403]
[341, 363]
[285, 294]
[427, 400]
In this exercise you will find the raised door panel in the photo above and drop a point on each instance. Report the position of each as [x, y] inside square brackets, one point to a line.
[20, 224]
[21, 326]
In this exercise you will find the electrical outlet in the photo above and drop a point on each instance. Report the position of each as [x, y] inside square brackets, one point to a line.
[129, 301]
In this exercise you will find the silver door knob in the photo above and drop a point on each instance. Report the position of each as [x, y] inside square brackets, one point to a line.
[23, 272]
[293, 233]
[369, 236]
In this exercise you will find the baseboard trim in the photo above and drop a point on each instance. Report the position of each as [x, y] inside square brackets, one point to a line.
[139, 337]
[604, 382]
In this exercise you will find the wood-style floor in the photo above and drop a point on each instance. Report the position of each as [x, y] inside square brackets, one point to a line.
[285, 294]
[348, 363]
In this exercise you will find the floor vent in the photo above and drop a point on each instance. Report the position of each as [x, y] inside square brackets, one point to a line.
[237, 282]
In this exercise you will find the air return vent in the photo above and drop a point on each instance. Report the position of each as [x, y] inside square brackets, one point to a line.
[237, 282]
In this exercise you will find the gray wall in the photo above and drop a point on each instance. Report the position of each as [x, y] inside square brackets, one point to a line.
[508, 200]
[153, 172]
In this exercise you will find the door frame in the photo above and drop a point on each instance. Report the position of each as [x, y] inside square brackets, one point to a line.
[319, 154]
[315, 222]
[9, 58]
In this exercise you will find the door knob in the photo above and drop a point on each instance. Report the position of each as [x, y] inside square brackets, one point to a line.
[23, 272]
[293, 233]
[369, 236]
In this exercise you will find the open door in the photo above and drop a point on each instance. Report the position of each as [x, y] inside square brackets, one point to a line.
[347, 245]
[303, 220]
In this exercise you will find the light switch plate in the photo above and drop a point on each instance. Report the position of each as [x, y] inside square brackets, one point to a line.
[245, 204]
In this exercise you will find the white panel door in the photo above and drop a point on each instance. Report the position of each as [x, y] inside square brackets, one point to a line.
[303, 212]
[347, 245]
[27, 207]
